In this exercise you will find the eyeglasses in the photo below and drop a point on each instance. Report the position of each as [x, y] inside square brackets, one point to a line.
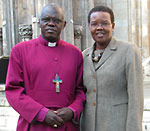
[103, 24]
[53, 19]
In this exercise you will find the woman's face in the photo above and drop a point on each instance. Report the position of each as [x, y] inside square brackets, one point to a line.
[101, 27]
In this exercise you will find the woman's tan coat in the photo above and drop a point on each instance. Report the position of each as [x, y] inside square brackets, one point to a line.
[114, 89]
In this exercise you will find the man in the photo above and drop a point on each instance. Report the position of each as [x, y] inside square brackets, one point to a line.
[44, 79]
[113, 78]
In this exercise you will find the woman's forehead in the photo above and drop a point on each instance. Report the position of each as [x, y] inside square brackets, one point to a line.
[100, 15]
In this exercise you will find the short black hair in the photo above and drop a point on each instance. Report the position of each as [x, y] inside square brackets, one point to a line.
[102, 9]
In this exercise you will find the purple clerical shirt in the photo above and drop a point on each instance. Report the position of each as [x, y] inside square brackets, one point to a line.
[29, 83]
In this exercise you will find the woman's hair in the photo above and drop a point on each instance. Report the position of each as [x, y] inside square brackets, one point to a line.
[101, 9]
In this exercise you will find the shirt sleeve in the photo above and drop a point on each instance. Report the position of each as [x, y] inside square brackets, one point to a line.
[16, 92]
[42, 114]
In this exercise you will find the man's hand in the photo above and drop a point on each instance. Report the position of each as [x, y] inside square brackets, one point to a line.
[53, 119]
[65, 113]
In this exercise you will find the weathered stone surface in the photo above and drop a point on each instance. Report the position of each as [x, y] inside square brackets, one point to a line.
[78, 32]
[25, 31]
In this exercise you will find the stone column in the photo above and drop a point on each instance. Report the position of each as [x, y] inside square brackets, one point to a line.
[86, 6]
[35, 27]
[38, 5]
[148, 25]
[9, 26]
[78, 32]
[132, 17]
[139, 24]
[1, 42]
[25, 31]
[68, 33]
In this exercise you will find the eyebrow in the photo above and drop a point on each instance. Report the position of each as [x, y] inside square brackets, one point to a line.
[102, 20]
[45, 16]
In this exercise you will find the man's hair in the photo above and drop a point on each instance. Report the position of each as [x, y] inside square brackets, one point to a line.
[101, 9]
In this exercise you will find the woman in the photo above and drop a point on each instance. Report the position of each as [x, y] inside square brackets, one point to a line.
[113, 78]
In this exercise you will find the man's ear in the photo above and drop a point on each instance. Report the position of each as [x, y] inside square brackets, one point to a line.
[39, 23]
[64, 24]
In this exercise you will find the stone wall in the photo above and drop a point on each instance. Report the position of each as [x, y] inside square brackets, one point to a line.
[132, 23]
[132, 20]
[8, 116]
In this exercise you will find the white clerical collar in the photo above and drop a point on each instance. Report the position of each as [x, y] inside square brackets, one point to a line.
[51, 44]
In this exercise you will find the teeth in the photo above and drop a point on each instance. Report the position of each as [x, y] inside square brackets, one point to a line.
[100, 35]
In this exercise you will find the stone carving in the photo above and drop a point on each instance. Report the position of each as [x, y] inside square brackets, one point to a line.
[25, 31]
[78, 31]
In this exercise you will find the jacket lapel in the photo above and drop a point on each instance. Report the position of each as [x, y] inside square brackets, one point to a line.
[89, 59]
[107, 53]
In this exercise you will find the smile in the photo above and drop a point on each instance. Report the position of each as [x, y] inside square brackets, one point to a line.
[100, 34]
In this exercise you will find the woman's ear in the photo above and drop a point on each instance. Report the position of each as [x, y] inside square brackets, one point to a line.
[113, 26]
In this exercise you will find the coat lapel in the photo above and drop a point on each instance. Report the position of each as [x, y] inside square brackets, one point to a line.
[107, 53]
[89, 58]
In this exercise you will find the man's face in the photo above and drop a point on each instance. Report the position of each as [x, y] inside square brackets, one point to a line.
[51, 24]
[101, 27]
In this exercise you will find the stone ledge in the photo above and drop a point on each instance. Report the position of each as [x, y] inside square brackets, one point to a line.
[2, 87]
[3, 100]
[146, 104]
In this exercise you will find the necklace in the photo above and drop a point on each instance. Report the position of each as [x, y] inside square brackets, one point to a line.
[96, 55]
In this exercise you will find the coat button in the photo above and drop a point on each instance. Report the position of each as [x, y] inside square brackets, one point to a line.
[94, 90]
[94, 103]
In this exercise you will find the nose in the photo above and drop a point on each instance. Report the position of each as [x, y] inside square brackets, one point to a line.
[99, 26]
[51, 23]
